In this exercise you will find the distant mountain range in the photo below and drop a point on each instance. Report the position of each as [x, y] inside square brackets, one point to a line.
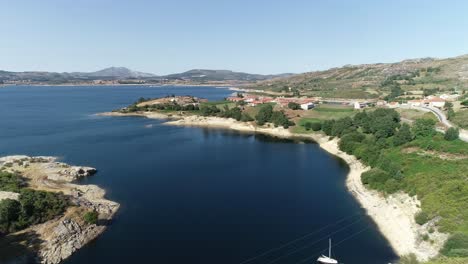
[122, 73]
[222, 75]
[115, 72]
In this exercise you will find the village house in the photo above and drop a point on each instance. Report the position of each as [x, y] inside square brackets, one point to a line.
[393, 104]
[307, 106]
[449, 97]
[381, 103]
[435, 102]
[415, 102]
[432, 101]
[235, 99]
[359, 105]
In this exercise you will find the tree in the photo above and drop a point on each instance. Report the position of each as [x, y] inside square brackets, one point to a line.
[341, 126]
[208, 110]
[278, 118]
[296, 93]
[316, 126]
[403, 135]
[350, 141]
[9, 214]
[448, 105]
[465, 103]
[327, 126]
[450, 113]
[91, 217]
[246, 117]
[456, 246]
[424, 127]
[451, 134]
[294, 106]
[308, 126]
[264, 114]
[234, 112]
[361, 118]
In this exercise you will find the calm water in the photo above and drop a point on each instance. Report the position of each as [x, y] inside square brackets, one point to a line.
[191, 195]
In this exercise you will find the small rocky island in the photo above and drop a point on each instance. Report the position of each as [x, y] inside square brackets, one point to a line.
[44, 216]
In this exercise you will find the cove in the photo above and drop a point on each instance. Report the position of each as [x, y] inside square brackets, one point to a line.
[191, 195]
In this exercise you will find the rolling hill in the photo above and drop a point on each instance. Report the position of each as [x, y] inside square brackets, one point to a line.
[221, 75]
[122, 73]
[374, 80]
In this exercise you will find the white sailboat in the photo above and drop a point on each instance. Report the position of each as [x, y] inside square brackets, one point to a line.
[325, 259]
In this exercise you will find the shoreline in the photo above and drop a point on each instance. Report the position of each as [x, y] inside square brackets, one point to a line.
[128, 84]
[393, 214]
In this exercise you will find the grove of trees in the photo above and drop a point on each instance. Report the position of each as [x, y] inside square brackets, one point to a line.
[33, 206]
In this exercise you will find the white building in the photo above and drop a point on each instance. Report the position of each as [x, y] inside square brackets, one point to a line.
[393, 105]
[358, 105]
[307, 106]
[435, 102]
[449, 97]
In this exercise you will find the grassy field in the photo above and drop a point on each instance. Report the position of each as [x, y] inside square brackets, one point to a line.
[319, 114]
[438, 179]
[413, 114]
[461, 118]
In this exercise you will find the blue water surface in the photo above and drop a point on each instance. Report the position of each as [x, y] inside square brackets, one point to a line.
[192, 195]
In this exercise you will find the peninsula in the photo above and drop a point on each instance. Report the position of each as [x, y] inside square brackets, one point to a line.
[384, 155]
[45, 215]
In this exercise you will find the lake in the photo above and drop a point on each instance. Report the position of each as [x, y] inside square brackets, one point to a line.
[192, 195]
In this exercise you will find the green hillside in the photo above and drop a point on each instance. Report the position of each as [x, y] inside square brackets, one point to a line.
[377, 80]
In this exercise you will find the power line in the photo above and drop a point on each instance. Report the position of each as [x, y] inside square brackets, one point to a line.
[314, 242]
[297, 239]
[336, 244]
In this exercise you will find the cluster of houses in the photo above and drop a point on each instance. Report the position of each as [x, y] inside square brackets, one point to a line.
[309, 103]
[253, 100]
[180, 100]
[431, 100]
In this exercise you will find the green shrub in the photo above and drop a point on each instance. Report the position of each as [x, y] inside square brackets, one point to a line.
[409, 259]
[10, 182]
[246, 117]
[10, 211]
[421, 218]
[91, 217]
[392, 186]
[403, 135]
[264, 114]
[316, 126]
[327, 127]
[425, 237]
[456, 246]
[294, 106]
[424, 127]
[375, 178]
[33, 207]
[451, 134]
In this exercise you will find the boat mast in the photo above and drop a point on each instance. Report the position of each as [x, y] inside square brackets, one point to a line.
[329, 247]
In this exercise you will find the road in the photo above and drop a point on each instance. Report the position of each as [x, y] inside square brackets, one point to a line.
[443, 119]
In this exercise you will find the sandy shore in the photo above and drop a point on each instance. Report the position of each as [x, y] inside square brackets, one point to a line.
[394, 214]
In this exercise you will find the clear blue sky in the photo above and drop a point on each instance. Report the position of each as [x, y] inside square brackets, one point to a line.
[166, 36]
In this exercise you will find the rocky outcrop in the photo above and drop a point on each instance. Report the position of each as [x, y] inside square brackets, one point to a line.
[59, 238]
[8, 195]
[69, 236]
